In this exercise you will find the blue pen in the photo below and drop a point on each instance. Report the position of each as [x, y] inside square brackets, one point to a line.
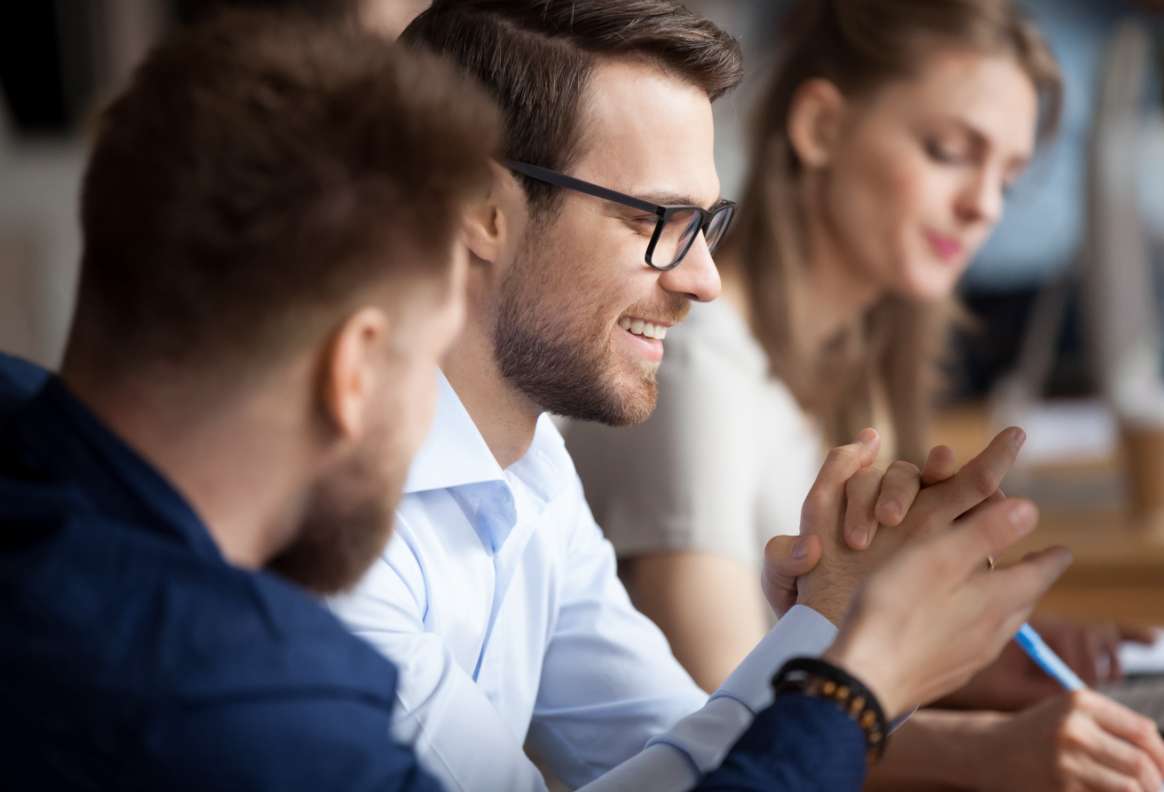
[1045, 658]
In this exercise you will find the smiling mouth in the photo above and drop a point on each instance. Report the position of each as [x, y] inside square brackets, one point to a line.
[643, 328]
[945, 247]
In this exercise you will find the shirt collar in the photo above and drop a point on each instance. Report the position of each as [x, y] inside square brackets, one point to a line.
[454, 453]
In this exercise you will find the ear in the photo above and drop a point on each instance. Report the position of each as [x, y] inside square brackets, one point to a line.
[815, 120]
[353, 370]
[490, 223]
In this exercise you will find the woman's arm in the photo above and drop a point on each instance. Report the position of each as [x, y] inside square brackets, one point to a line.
[1071, 741]
[710, 608]
[935, 751]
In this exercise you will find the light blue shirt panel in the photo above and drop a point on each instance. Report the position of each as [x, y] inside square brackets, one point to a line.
[499, 601]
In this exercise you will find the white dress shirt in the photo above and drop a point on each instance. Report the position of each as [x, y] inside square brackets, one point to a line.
[499, 602]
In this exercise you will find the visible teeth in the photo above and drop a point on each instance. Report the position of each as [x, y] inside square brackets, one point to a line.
[641, 328]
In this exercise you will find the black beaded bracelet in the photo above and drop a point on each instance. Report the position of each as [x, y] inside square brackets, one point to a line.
[812, 676]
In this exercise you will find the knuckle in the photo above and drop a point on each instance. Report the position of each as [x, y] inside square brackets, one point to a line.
[835, 455]
[815, 507]
[943, 565]
[983, 481]
[1081, 699]
[904, 468]
[843, 456]
[1069, 732]
[863, 484]
[887, 514]
[1070, 743]
[776, 548]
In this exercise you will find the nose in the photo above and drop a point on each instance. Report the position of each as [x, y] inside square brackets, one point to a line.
[696, 277]
[981, 200]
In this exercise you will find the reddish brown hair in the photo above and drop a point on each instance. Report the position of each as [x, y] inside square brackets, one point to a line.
[258, 175]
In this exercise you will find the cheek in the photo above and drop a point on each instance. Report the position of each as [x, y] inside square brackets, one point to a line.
[868, 202]
[885, 196]
[923, 272]
[902, 189]
[587, 277]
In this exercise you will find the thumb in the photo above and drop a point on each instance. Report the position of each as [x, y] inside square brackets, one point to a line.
[785, 559]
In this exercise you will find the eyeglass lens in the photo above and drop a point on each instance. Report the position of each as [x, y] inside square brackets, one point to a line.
[679, 232]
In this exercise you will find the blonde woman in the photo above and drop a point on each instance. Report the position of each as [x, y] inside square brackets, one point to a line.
[885, 146]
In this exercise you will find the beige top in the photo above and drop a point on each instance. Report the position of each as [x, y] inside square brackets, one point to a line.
[722, 465]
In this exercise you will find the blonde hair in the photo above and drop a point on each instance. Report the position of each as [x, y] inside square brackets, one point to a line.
[859, 45]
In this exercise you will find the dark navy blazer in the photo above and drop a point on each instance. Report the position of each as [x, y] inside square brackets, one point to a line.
[133, 656]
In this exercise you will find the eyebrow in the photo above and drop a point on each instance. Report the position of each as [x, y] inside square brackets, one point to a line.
[664, 198]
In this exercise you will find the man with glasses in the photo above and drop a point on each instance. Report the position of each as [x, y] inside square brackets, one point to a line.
[676, 226]
[499, 600]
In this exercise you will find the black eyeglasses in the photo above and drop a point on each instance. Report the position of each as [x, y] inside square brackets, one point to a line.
[676, 226]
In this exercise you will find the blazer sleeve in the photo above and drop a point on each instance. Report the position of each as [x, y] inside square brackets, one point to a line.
[797, 744]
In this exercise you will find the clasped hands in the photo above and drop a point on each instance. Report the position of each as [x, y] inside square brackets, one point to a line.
[852, 502]
[857, 518]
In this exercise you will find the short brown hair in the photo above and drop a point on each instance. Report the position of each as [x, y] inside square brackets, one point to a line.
[260, 172]
[536, 56]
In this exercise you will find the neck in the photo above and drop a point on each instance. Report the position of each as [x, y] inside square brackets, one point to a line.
[504, 416]
[228, 457]
[836, 292]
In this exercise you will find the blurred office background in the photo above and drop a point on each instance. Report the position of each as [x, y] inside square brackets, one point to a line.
[1067, 294]
[60, 60]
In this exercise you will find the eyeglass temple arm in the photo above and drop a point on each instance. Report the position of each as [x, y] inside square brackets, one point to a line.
[562, 180]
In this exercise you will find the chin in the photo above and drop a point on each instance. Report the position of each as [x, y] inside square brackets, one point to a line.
[631, 399]
[639, 408]
[931, 282]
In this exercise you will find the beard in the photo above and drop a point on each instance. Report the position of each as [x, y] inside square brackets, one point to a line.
[346, 524]
[564, 364]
